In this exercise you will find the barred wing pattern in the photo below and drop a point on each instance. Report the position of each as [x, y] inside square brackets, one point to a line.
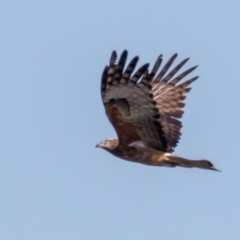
[142, 107]
[169, 98]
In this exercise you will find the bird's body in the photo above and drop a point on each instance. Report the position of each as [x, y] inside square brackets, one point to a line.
[138, 152]
[144, 109]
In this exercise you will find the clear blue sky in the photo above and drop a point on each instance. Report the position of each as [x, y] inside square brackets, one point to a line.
[54, 184]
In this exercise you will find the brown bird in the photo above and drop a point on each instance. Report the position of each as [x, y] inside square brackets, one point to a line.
[144, 109]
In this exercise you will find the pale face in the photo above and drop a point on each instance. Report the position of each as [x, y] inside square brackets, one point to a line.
[108, 144]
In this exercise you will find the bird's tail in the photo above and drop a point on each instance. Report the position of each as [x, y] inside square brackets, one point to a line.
[178, 161]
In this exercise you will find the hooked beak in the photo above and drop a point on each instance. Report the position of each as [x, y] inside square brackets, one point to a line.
[97, 145]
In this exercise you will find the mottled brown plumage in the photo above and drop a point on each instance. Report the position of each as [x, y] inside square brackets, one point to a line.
[144, 108]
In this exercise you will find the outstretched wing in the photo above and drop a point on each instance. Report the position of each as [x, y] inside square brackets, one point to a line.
[141, 107]
[169, 98]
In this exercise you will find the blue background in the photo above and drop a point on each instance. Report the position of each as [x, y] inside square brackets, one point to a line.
[54, 184]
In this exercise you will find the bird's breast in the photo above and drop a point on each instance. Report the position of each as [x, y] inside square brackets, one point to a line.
[147, 156]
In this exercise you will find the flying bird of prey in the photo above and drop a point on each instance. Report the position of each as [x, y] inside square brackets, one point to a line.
[144, 108]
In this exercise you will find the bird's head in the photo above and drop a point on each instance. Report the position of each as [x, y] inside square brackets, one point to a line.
[108, 144]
